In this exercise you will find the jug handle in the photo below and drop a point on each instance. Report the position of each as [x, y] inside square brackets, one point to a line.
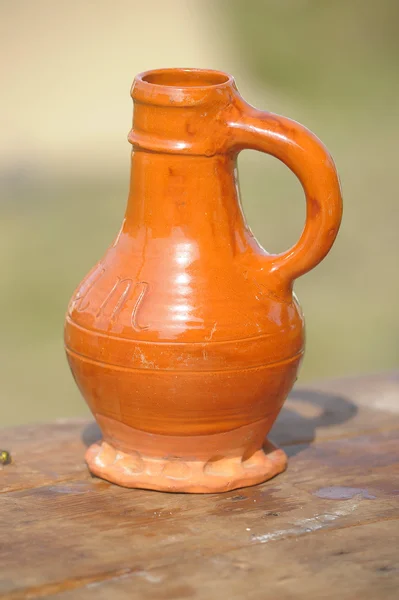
[308, 158]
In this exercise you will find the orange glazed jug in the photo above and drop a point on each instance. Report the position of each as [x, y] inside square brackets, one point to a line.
[186, 338]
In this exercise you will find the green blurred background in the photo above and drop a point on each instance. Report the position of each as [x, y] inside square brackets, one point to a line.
[67, 67]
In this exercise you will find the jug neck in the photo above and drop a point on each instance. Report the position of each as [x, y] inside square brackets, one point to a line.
[183, 181]
[187, 197]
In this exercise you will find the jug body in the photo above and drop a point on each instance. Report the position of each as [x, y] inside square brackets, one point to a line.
[186, 337]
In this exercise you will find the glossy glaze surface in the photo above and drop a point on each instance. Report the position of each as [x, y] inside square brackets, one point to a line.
[185, 339]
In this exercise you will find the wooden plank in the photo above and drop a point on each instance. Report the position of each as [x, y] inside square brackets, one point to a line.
[42, 454]
[330, 564]
[68, 534]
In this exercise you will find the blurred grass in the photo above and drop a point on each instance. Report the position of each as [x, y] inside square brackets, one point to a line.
[331, 66]
[47, 245]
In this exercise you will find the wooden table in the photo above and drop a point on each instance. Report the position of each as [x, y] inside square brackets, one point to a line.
[327, 528]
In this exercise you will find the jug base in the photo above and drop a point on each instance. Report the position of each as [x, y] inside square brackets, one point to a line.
[133, 470]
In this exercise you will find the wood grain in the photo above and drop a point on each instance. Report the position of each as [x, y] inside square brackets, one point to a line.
[326, 528]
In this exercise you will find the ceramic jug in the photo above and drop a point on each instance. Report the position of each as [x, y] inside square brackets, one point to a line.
[186, 337]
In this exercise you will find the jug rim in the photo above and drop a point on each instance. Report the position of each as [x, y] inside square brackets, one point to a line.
[181, 86]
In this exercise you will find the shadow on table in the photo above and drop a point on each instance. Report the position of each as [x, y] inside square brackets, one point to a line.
[303, 413]
[306, 411]
[91, 433]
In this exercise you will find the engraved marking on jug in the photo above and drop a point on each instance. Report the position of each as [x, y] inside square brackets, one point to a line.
[119, 294]
[78, 302]
[141, 288]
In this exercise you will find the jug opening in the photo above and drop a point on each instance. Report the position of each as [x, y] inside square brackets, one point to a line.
[186, 78]
[183, 87]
